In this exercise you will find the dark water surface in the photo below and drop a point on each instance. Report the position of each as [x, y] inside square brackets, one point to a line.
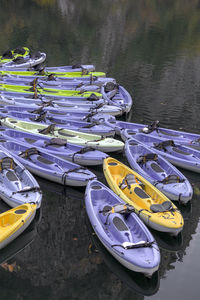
[152, 48]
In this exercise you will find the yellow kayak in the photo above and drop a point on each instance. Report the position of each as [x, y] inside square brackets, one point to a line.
[153, 207]
[14, 221]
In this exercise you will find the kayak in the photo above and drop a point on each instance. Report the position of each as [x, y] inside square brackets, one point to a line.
[179, 155]
[14, 221]
[82, 126]
[117, 95]
[158, 171]
[10, 55]
[25, 61]
[181, 137]
[84, 103]
[50, 81]
[120, 230]
[18, 186]
[91, 76]
[53, 112]
[35, 92]
[74, 137]
[62, 107]
[153, 207]
[86, 156]
[48, 166]
[73, 68]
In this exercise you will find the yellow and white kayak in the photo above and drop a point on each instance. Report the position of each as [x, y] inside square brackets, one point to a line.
[14, 221]
[153, 207]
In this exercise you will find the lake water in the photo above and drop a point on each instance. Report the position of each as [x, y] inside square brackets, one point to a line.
[152, 48]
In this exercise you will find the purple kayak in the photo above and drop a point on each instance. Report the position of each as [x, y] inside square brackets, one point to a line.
[179, 155]
[158, 171]
[181, 137]
[120, 230]
[48, 166]
[62, 105]
[92, 116]
[117, 95]
[82, 126]
[85, 156]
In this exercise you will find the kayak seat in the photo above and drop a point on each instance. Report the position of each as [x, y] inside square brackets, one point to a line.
[28, 152]
[128, 180]
[119, 224]
[44, 160]
[180, 151]
[7, 163]
[155, 167]
[163, 145]
[147, 157]
[141, 193]
[165, 206]
[30, 141]
[172, 179]
[56, 142]
[11, 176]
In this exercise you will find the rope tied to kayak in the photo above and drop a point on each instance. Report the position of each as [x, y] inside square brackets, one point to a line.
[7, 163]
[75, 170]
[147, 157]
[28, 152]
[30, 189]
[124, 209]
[96, 107]
[37, 111]
[48, 130]
[82, 151]
[164, 144]
[89, 116]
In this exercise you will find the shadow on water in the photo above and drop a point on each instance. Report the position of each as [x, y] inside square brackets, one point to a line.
[137, 282]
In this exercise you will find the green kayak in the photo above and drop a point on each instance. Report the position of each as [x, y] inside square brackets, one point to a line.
[74, 137]
[11, 55]
[70, 75]
[34, 90]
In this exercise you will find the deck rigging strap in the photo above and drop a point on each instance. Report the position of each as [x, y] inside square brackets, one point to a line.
[40, 118]
[82, 151]
[65, 174]
[31, 189]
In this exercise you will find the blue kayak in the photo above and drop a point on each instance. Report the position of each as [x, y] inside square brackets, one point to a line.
[117, 95]
[158, 171]
[48, 166]
[179, 155]
[18, 186]
[85, 156]
[76, 125]
[120, 230]
[181, 137]
[91, 116]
